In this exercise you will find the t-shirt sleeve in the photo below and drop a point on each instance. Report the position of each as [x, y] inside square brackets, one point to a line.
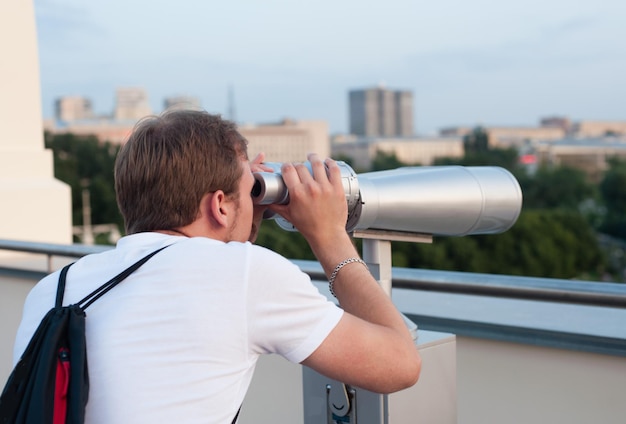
[287, 314]
[39, 301]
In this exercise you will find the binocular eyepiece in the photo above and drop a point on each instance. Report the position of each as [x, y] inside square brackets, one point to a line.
[434, 200]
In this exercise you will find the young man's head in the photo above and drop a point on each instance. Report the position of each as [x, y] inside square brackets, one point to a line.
[170, 162]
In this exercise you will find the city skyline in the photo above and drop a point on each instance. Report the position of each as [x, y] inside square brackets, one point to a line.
[467, 64]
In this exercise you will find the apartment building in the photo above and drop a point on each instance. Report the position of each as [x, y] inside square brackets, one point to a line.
[288, 140]
[589, 155]
[73, 108]
[75, 115]
[514, 136]
[599, 128]
[551, 128]
[408, 150]
[379, 112]
[131, 104]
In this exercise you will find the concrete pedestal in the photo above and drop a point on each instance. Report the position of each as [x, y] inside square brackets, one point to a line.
[282, 392]
[431, 400]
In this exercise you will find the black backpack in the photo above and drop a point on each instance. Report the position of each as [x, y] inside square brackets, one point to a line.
[50, 383]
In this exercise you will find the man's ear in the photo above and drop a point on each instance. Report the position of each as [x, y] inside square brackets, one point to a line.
[218, 208]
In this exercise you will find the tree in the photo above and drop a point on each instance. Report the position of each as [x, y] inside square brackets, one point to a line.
[613, 192]
[383, 161]
[505, 158]
[84, 163]
[542, 243]
[557, 187]
[477, 141]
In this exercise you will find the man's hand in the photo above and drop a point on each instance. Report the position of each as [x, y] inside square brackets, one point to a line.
[256, 165]
[317, 202]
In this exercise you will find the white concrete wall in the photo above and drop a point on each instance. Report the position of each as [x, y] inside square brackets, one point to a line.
[500, 382]
[276, 392]
[33, 205]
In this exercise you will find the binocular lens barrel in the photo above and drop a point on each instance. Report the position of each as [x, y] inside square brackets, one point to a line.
[269, 189]
[435, 200]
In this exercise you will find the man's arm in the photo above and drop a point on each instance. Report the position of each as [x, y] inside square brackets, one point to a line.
[371, 347]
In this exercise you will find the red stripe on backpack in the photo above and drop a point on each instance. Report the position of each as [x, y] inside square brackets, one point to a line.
[61, 386]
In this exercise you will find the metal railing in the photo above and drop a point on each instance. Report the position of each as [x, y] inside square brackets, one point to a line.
[51, 250]
[505, 286]
[589, 293]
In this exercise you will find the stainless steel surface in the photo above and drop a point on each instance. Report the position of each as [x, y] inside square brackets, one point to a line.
[444, 201]
[434, 200]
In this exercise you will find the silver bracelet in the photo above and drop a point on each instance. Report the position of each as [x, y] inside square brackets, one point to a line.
[331, 280]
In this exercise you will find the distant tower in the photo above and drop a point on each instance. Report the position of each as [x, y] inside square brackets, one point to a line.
[131, 104]
[378, 112]
[232, 116]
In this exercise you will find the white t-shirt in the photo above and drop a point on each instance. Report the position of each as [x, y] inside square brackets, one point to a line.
[178, 340]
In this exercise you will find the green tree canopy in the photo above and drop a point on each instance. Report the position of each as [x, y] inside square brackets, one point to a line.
[84, 163]
[542, 243]
[557, 187]
[613, 193]
[476, 141]
[383, 161]
[505, 158]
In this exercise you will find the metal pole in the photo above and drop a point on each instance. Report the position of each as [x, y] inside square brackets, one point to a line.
[377, 255]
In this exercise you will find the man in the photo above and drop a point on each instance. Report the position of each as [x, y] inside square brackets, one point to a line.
[179, 339]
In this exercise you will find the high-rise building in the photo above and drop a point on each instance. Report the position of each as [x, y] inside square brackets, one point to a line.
[72, 108]
[131, 104]
[377, 112]
[412, 150]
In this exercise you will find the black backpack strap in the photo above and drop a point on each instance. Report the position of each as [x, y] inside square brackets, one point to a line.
[61, 286]
[103, 289]
[96, 294]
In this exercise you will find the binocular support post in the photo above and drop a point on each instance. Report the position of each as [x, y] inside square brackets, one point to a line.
[377, 251]
[343, 403]
[377, 255]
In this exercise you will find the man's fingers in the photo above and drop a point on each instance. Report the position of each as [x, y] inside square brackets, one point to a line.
[256, 165]
[318, 171]
[259, 158]
[334, 172]
[289, 174]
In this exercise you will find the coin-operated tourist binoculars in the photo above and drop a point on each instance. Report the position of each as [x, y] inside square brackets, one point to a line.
[430, 200]
[405, 204]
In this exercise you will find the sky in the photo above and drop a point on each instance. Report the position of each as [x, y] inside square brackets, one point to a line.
[468, 63]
